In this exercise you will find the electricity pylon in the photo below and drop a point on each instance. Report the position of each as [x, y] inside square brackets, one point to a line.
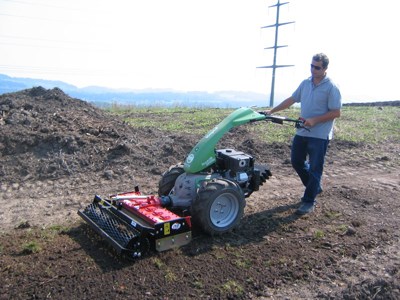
[274, 66]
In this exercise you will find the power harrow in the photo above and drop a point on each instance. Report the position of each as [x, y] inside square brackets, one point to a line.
[207, 191]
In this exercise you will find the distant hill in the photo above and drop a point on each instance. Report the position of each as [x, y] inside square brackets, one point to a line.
[13, 84]
[103, 97]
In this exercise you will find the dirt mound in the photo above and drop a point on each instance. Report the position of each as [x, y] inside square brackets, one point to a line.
[56, 152]
[46, 134]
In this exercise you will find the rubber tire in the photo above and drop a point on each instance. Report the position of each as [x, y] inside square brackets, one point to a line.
[167, 181]
[206, 211]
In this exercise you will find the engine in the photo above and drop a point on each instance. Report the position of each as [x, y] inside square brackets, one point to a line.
[239, 167]
[234, 165]
[230, 164]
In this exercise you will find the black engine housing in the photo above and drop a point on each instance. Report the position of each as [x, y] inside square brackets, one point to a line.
[239, 167]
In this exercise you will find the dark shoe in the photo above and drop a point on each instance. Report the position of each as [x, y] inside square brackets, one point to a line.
[305, 208]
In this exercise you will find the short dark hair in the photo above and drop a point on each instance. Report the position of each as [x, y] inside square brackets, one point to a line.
[321, 57]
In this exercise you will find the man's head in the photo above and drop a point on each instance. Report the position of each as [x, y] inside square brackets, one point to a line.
[321, 57]
[319, 65]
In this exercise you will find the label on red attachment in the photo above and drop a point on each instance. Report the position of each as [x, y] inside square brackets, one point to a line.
[167, 229]
[176, 226]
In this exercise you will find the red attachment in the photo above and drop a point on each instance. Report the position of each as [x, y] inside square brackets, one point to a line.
[188, 221]
[147, 207]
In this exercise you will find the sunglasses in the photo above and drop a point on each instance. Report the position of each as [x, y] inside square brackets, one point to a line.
[316, 67]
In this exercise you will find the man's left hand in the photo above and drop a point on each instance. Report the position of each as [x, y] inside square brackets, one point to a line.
[310, 122]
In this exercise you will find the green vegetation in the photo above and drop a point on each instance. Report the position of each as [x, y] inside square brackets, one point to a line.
[356, 124]
[319, 234]
[369, 124]
[180, 119]
[59, 228]
[31, 247]
[170, 276]
[158, 263]
[342, 229]
[232, 287]
[197, 284]
[51, 232]
[333, 214]
[243, 263]
[36, 239]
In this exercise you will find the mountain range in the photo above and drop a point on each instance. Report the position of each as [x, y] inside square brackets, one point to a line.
[103, 97]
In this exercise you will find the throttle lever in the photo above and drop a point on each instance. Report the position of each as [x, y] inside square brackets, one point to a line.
[300, 124]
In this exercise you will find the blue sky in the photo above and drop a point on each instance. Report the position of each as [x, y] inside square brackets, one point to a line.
[208, 45]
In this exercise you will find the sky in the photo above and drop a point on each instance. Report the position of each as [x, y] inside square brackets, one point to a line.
[207, 45]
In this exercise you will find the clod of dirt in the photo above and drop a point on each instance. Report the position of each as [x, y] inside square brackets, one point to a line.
[24, 225]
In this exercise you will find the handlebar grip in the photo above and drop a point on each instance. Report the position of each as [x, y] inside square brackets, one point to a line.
[299, 123]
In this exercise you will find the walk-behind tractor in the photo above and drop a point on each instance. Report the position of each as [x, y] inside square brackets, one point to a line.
[207, 191]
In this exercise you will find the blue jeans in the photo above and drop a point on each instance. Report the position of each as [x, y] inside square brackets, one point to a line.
[309, 171]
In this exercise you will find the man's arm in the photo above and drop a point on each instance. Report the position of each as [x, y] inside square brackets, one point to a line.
[330, 115]
[283, 105]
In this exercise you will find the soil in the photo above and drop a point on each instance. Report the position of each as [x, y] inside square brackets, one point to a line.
[57, 152]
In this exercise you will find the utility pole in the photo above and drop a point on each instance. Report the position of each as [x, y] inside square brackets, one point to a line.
[274, 66]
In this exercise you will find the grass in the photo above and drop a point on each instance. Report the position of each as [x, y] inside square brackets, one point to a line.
[52, 231]
[243, 263]
[181, 119]
[364, 124]
[369, 124]
[333, 214]
[31, 247]
[36, 238]
[232, 287]
[158, 263]
[319, 234]
[342, 229]
[170, 276]
[197, 284]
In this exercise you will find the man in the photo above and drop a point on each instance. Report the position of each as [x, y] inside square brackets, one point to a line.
[320, 101]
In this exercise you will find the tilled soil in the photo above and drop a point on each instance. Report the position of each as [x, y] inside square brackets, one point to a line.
[57, 152]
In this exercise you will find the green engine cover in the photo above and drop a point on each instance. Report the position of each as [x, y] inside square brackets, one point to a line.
[202, 155]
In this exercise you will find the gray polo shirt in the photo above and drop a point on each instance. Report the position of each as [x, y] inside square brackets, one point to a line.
[317, 100]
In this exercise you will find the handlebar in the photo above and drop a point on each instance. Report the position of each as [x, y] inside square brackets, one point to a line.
[299, 123]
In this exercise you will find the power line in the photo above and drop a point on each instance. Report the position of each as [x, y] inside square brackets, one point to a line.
[42, 19]
[51, 70]
[21, 41]
[274, 66]
[53, 6]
